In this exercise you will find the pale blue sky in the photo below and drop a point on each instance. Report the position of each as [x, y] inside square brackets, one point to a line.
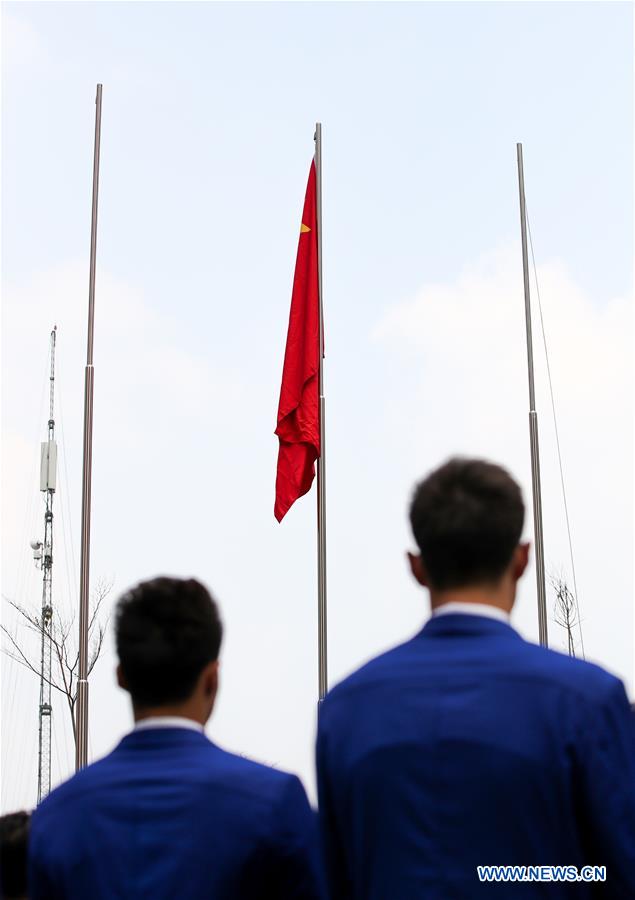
[210, 107]
[208, 118]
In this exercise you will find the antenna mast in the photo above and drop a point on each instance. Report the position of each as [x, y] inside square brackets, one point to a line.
[43, 554]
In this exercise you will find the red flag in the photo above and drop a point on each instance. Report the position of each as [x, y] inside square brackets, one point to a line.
[298, 411]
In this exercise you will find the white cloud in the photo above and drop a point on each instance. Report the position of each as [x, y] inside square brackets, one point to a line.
[459, 358]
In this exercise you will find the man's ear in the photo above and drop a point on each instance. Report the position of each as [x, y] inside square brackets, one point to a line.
[418, 569]
[121, 678]
[520, 560]
[209, 679]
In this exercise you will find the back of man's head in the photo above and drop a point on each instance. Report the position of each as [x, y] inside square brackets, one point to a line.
[167, 631]
[467, 519]
[14, 837]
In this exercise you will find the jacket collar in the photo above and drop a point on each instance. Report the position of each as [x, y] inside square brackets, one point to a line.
[455, 624]
[168, 722]
[148, 738]
[471, 609]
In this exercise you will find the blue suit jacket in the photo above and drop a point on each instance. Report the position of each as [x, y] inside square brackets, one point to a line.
[170, 816]
[468, 746]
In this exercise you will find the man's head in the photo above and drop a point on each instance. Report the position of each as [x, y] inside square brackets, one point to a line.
[168, 636]
[14, 838]
[467, 518]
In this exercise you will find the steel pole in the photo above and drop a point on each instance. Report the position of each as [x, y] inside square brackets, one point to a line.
[81, 748]
[533, 420]
[321, 462]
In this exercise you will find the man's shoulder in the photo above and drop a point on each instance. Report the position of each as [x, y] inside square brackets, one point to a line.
[70, 793]
[256, 777]
[389, 664]
[211, 797]
[209, 769]
[571, 674]
[523, 661]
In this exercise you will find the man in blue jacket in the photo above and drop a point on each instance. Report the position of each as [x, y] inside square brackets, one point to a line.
[168, 815]
[467, 746]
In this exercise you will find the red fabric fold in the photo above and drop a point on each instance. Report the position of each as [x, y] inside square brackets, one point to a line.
[298, 426]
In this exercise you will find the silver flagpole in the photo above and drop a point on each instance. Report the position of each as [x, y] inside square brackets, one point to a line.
[533, 420]
[81, 747]
[321, 463]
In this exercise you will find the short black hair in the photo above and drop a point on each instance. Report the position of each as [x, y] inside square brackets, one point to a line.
[467, 518]
[167, 631]
[14, 840]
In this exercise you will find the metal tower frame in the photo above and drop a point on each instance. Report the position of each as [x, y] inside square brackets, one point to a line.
[44, 552]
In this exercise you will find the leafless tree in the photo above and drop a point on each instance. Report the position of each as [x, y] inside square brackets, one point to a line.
[65, 655]
[565, 609]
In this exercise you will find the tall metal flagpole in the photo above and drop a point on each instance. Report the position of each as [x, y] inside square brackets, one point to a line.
[81, 747]
[321, 463]
[533, 420]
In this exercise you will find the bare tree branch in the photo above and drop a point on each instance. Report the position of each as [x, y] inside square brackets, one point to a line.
[20, 658]
[96, 647]
[65, 654]
[59, 656]
[565, 609]
[21, 655]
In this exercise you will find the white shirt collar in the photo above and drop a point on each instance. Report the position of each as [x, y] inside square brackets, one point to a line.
[472, 609]
[168, 722]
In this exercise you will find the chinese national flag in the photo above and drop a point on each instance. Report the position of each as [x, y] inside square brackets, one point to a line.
[298, 411]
